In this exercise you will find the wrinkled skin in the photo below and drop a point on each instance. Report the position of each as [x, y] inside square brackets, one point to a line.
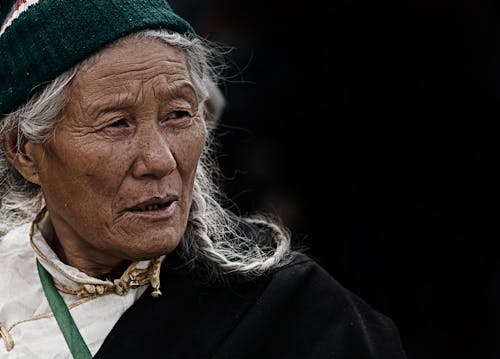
[131, 133]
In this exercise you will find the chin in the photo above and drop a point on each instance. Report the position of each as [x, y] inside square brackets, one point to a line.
[153, 249]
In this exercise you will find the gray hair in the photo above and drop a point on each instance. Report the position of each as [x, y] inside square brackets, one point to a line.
[215, 239]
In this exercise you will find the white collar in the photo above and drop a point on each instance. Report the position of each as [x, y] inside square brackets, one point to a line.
[71, 280]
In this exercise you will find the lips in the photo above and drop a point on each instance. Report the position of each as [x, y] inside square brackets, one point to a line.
[153, 204]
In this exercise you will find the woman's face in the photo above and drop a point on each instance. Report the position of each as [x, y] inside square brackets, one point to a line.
[118, 174]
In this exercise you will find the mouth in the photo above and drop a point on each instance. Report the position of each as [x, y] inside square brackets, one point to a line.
[162, 207]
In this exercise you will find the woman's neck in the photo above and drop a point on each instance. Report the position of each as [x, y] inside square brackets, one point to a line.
[73, 257]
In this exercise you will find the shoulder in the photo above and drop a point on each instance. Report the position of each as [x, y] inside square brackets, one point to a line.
[306, 274]
[297, 310]
[311, 283]
[16, 256]
[334, 319]
[15, 242]
[18, 277]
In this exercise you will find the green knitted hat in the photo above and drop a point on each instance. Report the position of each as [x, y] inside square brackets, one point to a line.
[41, 39]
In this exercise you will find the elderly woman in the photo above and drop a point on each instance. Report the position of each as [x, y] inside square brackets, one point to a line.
[114, 243]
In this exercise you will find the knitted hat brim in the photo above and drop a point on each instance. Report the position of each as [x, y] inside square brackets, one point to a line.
[54, 35]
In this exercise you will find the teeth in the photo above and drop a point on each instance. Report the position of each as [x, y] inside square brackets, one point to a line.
[152, 207]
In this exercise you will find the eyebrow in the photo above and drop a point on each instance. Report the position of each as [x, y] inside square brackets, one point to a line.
[184, 89]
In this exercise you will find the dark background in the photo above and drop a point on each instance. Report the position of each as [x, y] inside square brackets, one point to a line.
[370, 128]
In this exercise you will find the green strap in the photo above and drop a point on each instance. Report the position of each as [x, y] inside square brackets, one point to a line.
[72, 335]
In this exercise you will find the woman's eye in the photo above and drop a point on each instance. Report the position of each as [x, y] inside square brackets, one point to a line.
[176, 115]
[119, 123]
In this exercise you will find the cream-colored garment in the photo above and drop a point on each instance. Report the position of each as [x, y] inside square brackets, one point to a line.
[25, 316]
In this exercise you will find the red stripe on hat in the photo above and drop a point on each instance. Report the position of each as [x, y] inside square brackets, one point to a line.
[16, 7]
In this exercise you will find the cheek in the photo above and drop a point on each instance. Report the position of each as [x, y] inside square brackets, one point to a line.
[89, 172]
[106, 165]
[188, 149]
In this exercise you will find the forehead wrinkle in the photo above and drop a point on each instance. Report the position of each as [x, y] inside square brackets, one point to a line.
[131, 95]
[165, 89]
[145, 70]
[120, 85]
[122, 97]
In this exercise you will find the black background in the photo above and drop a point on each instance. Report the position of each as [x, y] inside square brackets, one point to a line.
[370, 128]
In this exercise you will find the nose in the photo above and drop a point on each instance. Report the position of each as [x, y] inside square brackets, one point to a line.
[154, 157]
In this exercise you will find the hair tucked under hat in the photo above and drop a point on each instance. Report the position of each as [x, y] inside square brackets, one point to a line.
[41, 39]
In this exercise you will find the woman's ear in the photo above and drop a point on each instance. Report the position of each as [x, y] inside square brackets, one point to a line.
[21, 154]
